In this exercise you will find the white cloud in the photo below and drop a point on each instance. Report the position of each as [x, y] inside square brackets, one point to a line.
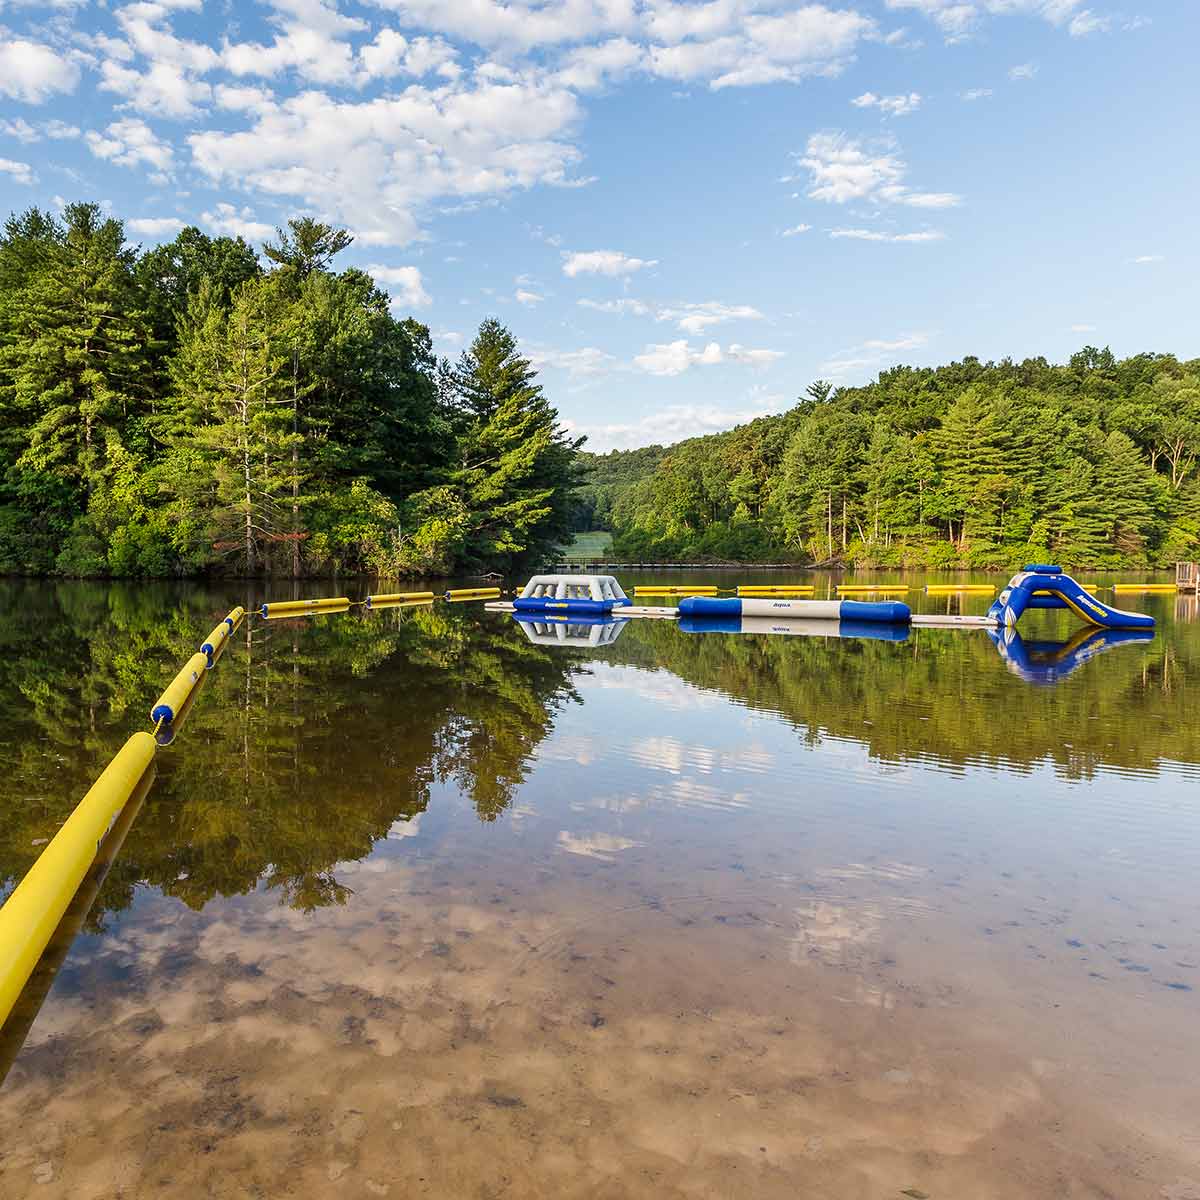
[392, 54]
[931, 199]
[590, 67]
[909, 341]
[872, 355]
[766, 47]
[584, 363]
[20, 129]
[21, 172]
[875, 235]
[890, 106]
[959, 19]
[61, 131]
[674, 423]
[696, 318]
[754, 358]
[955, 18]
[379, 164]
[1083, 329]
[795, 229]
[23, 131]
[518, 24]
[623, 306]
[32, 72]
[529, 299]
[1147, 258]
[1083, 23]
[230, 222]
[242, 97]
[129, 143]
[976, 93]
[842, 168]
[603, 262]
[166, 86]
[673, 358]
[1022, 71]
[404, 284]
[155, 227]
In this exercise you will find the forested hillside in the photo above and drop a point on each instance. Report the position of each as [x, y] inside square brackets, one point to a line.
[193, 407]
[1093, 463]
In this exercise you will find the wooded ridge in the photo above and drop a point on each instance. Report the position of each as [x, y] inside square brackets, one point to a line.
[1093, 463]
[196, 407]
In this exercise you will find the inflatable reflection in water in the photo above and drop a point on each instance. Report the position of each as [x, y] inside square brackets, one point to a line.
[810, 627]
[1050, 662]
[544, 629]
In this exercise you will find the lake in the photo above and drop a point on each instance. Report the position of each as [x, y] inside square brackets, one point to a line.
[420, 905]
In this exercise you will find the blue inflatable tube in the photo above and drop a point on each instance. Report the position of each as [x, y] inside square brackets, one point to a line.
[886, 611]
[546, 604]
[889, 612]
[710, 606]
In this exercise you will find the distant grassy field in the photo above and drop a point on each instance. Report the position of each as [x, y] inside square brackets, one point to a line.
[588, 546]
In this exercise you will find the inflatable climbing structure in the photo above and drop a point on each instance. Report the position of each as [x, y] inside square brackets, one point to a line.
[1041, 586]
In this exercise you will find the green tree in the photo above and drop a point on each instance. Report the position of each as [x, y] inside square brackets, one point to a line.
[516, 467]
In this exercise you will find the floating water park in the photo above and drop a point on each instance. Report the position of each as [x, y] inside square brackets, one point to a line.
[586, 611]
[1038, 586]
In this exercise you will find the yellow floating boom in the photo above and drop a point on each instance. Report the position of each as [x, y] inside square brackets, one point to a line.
[397, 597]
[965, 589]
[179, 689]
[212, 644]
[492, 593]
[773, 589]
[278, 608]
[380, 604]
[235, 617]
[32, 913]
[1144, 587]
[683, 589]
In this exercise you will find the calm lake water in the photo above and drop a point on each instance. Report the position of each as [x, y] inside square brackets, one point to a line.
[416, 906]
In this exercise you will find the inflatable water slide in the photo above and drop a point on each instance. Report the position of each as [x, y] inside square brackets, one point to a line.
[1042, 586]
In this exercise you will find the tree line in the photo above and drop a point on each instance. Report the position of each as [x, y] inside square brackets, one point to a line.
[200, 407]
[973, 464]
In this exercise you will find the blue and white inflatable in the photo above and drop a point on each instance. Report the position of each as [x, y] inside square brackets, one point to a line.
[1043, 586]
[889, 612]
[571, 595]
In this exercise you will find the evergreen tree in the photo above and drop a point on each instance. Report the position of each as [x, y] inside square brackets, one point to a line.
[516, 467]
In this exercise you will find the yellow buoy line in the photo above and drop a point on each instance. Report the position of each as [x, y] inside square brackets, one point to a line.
[32, 913]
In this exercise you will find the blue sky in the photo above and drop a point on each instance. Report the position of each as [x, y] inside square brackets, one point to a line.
[685, 211]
